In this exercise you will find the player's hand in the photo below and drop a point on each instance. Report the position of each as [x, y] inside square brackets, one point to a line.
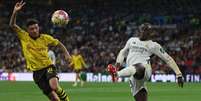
[180, 81]
[19, 5]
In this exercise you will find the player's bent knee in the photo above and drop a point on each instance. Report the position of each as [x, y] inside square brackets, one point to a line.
[55, 87]
[54, 83]
[140, 71]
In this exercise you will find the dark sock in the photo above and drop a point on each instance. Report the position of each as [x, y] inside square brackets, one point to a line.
[62, 95]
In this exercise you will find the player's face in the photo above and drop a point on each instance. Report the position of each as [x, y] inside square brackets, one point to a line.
[145, 34]
[33, 30]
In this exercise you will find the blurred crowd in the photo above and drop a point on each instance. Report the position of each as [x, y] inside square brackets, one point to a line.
[100, 31]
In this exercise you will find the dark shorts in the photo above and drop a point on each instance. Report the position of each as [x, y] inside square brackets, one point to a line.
[77, 70]
[42, 77]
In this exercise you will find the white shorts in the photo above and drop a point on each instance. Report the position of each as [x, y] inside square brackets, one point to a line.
[137, 85]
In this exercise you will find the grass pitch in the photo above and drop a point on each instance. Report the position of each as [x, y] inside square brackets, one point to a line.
[28, 91]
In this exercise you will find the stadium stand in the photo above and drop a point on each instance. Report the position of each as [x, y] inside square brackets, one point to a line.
[100, 30]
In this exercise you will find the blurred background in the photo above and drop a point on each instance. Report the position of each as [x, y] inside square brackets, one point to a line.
[100, 28]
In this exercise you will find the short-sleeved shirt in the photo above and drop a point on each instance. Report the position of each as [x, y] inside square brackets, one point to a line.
[35, 51]
[78, 62]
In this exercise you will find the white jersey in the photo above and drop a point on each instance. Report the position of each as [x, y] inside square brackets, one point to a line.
[138, 51]
[52, 56]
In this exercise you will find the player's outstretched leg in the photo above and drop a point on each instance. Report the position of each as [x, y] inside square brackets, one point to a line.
[140, 71]
[128, 71]
[141, 95]
[59, 91]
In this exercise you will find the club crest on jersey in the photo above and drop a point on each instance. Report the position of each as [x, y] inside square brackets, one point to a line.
[50, 70]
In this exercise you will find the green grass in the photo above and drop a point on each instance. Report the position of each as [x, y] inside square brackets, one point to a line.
[28, 91]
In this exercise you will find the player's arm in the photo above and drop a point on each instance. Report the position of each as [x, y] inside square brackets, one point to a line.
[65, 51]
[50, 41]
[122, 54]
[17, 8]
[159, 51]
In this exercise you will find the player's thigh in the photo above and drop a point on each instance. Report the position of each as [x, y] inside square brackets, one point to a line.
[53, 82]
[52, 77]
[51, 72]
[42, 82]
[140, 71]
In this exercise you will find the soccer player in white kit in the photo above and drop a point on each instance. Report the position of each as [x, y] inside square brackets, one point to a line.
[137, 52]
[52, 56]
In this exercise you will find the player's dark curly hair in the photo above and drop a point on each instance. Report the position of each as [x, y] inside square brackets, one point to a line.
[31, 22]
[145, 26]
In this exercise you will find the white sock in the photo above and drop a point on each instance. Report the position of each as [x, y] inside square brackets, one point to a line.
[128, 71]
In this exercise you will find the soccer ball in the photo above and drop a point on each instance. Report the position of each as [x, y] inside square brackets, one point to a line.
[60, 18]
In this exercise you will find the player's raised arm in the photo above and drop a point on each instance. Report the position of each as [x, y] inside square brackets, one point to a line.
[159, 51]
[17, 8]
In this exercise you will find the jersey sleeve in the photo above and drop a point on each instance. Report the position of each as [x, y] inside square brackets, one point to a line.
[123, 52]
[22, 34]
[126, 47]
[159, 51]
[51, 41]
